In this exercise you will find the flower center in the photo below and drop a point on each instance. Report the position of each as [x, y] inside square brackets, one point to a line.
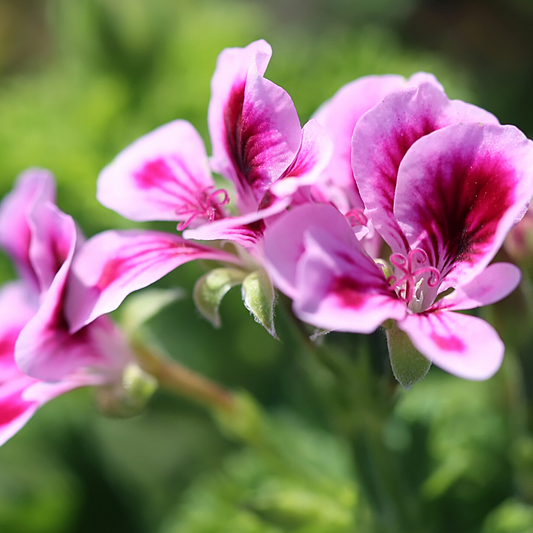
[208, 205]
[409, 284]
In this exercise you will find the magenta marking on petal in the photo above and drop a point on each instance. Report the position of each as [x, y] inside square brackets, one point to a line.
[450, 343]
[154, 175]
[250, 139]
[398, 142]
[348, 291]
[116, 267]
[175, 179]
[12, 407]
[7, 344]
[234, 127]
[462, 214]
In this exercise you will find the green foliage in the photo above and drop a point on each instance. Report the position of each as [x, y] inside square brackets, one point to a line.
[510, 517]
[112, 70]
[301, 484]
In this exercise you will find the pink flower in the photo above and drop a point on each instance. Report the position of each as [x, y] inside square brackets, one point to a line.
[339, 116]
[258, 145]
[39, 358]
[443, 190]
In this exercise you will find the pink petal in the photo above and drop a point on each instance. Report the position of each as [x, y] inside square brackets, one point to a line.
[231, 71]
[493, 284]
[164, 175]
[311, 160]
[53, 241]
[254, 127]
[113, 264]
[463, 345]
[339, 115]
[32, 187]
[46, 350]
[20, 395]
[341, 288]
[16, 310]
[284, 240]
[246, 230]
[14, 410]
[459, 192]
[383, 136]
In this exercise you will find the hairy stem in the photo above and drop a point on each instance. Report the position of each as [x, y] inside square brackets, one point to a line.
[182, 380]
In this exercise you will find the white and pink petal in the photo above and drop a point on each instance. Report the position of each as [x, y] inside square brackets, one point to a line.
[460, 190]
[341, 288]
[463, 345]
[284, 241]
[113, 264]
[493, 284]
[164, 175]
[255, 132]
[33, 186]
[382, 138]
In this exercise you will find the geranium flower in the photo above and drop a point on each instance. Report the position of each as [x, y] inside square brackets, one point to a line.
[339, 115]
[258, 145]
[39, 358]
[442, 189]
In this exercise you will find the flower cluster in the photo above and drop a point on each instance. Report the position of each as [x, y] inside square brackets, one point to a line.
[386, 208]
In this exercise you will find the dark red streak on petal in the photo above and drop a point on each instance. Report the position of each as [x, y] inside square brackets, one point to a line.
[395, 147]
[249, 139]
[349, 292]
[234, 127]
[463, 209]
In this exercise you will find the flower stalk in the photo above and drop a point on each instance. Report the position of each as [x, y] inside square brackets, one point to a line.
[182, 380]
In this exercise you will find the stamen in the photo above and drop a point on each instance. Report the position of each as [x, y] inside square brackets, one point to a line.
[356, 217]
[208, 205]
[412, 267]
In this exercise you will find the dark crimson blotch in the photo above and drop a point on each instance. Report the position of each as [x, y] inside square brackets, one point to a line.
[461, 211]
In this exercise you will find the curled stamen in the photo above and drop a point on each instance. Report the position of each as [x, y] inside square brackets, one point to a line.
[407, 285]
[398, 260]
[208, 205]
[356, 217]
[417, 256]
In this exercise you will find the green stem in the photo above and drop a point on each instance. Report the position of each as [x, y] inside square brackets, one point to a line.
[180, 379]
[365, 401]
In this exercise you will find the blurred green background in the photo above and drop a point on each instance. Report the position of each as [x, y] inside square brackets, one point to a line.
[80, 80]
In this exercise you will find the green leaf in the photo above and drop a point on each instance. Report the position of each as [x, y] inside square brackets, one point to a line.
[259, 298]
[212, 287]
[408, 365]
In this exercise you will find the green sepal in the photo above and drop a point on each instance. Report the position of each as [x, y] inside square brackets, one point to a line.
[144, 305]
[212, 287]
[409, 366]
[259, 297]
[129, 396]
